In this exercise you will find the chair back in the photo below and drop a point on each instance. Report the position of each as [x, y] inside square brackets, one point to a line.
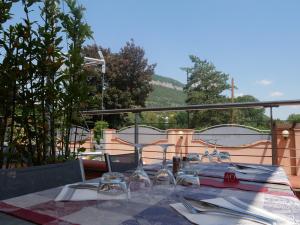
[16, 182]
[121, 163]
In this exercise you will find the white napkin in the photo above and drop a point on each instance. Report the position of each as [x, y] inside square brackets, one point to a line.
[71, 194]
[222, 219]
[252, 171]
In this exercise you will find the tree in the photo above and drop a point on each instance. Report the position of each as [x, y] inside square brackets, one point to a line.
[127, 80]
[294, 118]
[206, 86]
[7, 46]
[74, 97]
[36, 94]
[49, 61]
[250, 116]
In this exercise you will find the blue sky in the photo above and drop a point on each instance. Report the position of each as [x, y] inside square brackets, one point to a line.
[256, 42]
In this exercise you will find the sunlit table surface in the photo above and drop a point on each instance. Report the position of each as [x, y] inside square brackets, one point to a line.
[152, 207]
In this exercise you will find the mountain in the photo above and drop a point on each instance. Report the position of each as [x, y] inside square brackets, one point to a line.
[166, 92]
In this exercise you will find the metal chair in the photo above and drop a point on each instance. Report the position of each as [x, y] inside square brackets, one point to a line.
[121, 163]
[21, 181]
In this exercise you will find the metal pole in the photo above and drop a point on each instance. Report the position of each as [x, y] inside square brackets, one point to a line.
[188, 113]
[217, 106]
[136, 128]
[188, 119]
[232, 100]
[274, 139]
[102, 96]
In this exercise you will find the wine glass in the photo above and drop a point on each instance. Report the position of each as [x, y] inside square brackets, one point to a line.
[215, 153]
[206, 153]
[224, 156]
[139, 180]
[164, 176]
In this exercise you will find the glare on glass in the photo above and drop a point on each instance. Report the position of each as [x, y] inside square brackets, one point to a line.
[139, 180]
[220, 156]
[164, 176]
[113, 184]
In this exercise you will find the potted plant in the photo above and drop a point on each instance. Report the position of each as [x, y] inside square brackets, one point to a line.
[98, 133]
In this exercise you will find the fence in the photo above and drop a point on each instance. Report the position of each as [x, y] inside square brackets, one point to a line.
[245, 144]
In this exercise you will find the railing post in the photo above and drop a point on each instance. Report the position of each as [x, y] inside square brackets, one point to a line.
[136, 128]
[274, 138]
[188, 119]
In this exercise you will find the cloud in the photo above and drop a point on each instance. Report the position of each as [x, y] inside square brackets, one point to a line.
[276, 94]
[295, 106]
[264, 82]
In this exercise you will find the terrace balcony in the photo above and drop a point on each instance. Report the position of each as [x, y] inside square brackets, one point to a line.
[279, 145]
[275, 149]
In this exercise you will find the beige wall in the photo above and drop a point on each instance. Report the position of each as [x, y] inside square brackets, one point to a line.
[288, 149]
[258, 153]
[183, 144]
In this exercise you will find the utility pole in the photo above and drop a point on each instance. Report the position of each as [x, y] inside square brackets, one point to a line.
[232, 100]
[188, 113]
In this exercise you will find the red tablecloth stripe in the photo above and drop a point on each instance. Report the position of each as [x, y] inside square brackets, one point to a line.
[220, 184]
[244, 187]
[30, 215]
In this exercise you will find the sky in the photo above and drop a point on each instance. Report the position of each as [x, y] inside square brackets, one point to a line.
[256, 42]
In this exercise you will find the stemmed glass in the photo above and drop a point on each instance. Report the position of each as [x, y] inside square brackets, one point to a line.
[139, 180]
[164, 176]
[221, 156]
[215, 153]
[206, 152]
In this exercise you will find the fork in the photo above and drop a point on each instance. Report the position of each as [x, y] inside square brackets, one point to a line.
[194, 210]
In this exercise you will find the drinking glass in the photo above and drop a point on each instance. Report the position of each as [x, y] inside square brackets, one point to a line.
[220, 156]
[188, 178]
[224, 156]
[112, 185]
[206, 153]
[139, 180]
[164, 176]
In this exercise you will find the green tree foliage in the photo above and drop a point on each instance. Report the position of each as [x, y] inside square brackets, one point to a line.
[36, 95]
[98, 130]
[7, 44]
[164, 120]
[294, 118]
[74, 97]
[49, 61]
[250, 117]
[206, 86]
[127, 80]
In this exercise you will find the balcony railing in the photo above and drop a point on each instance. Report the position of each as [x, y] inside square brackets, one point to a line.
[244, 144]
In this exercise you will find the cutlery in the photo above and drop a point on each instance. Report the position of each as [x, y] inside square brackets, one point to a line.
[206, 207]
[83, 186]
[195, 210]
[241, 167]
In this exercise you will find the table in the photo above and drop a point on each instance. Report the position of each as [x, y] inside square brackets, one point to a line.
[153, 207]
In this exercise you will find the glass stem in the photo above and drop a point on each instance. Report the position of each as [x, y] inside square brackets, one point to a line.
[164, 158]
[140, 160]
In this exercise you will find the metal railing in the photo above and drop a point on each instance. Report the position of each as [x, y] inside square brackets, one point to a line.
[273, 145]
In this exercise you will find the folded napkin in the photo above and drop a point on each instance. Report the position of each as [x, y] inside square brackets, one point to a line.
[72, 194]
[223, 219]
[252, 170]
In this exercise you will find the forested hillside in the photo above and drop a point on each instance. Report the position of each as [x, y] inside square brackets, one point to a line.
[167, 92]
